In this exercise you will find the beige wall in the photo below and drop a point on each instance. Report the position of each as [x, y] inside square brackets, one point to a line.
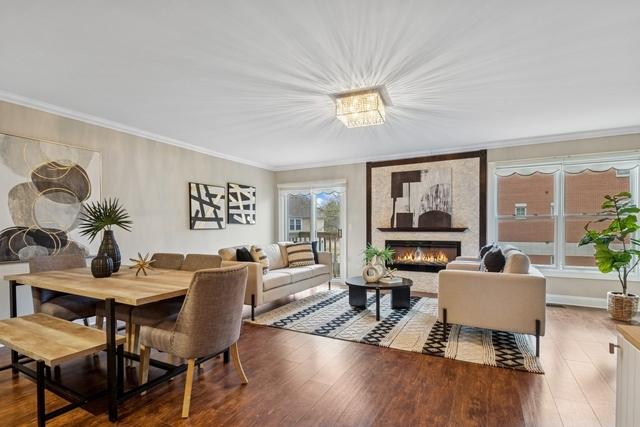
[150, 178]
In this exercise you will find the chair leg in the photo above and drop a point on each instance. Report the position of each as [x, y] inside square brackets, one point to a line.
[85, 321]
[100, 322]
[253, 307]
[538, 326]
[135, 339]
[236, 363]
[186, 402]
[145, 355]
[329, 284]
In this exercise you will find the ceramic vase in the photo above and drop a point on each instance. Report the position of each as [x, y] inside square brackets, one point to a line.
[110, 247]
[102, 266]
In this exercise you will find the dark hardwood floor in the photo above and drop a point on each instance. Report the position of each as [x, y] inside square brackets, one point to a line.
[304, 380]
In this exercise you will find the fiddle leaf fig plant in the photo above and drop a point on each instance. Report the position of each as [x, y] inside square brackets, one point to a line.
[623, 224]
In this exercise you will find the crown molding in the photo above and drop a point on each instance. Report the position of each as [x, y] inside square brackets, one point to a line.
[119, 127]
[488, 145]
[562, 137]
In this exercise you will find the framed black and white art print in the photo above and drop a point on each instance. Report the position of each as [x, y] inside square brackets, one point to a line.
[241, 204]
[206, 207]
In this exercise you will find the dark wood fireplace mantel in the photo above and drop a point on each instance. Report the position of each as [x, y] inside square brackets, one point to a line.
[428, 229]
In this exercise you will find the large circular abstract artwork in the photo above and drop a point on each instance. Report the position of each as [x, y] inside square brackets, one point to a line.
[44, 185]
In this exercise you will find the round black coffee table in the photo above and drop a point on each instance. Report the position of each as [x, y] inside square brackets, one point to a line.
[400, 293]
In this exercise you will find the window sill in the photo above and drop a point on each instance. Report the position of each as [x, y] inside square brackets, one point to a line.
[581, 274]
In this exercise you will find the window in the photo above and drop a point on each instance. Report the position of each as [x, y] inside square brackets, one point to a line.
[533, 230]
[295, 224]
[543, 208]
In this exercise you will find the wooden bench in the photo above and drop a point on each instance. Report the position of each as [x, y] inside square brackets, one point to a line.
[50, 341]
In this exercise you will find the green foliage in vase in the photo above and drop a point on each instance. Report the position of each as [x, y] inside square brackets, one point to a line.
[103, 215]
[623, 224]
[384, 255]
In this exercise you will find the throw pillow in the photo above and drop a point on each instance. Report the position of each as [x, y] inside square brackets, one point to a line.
[493, 261]
[517, 263]
[485, 249]
[243, 255]
[314, 248]
[300, 254]
[258, 256]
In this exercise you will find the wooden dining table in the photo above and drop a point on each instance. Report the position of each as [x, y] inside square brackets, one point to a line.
[123, 287]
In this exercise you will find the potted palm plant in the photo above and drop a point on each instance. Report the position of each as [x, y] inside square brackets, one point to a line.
[623, 224]
[103, 216]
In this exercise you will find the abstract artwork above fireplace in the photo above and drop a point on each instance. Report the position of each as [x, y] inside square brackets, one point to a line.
[421, 198]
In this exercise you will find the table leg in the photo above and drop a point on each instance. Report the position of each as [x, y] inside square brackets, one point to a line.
[13, 312]
[120, 375]
[40, 393]
[377, 304]
[400, 298]
[112, 380]
[357, 296]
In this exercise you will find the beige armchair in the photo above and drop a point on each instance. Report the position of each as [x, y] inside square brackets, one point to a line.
[208, 323]
[512, 301]
[58, 304]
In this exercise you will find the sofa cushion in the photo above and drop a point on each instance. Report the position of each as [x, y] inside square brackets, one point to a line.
[319, 269]
[493, 261]
[229, 254]
[517, 263]
[274, 254]
[283, 251]
[243, 255]
[297, 273]
[485, 249]
[300, 254]
[275, 279]
[258, 256]
[314, 248]
[508, 248]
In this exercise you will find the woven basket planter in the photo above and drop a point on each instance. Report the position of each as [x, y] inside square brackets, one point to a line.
[622, 307]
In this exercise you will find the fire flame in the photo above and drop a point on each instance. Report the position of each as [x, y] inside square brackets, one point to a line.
[418, 257]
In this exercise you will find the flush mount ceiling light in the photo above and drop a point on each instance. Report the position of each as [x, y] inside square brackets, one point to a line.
[363, 107]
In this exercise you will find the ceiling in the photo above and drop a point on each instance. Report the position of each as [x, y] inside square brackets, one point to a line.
[250, 79]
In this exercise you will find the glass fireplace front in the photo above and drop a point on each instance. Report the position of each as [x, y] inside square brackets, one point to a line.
[423, 255]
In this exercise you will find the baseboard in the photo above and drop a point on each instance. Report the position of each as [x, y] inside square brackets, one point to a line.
[578, 301]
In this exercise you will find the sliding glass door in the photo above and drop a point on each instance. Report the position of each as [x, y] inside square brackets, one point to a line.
[315, 212]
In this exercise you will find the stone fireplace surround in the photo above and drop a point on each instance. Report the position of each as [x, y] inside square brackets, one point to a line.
[468, 207]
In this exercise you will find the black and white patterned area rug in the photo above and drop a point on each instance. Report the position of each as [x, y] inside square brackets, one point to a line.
[416, 329]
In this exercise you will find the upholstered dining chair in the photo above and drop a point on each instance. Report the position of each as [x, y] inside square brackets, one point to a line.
[58, 304]
[146, 314]
[194, 262]
[208, 323]
[169, 261]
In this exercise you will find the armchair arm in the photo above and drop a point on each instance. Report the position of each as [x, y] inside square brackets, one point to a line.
[464, 265]
[254, 280]
[500, 301]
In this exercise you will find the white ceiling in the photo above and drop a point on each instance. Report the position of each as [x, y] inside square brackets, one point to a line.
[250, 79]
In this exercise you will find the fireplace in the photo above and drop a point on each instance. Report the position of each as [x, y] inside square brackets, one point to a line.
[423, 255]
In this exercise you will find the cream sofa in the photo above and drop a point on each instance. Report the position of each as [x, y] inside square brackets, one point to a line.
[280, 281]
[511, 301]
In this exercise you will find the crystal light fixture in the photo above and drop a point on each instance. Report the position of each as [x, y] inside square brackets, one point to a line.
[361, 108]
